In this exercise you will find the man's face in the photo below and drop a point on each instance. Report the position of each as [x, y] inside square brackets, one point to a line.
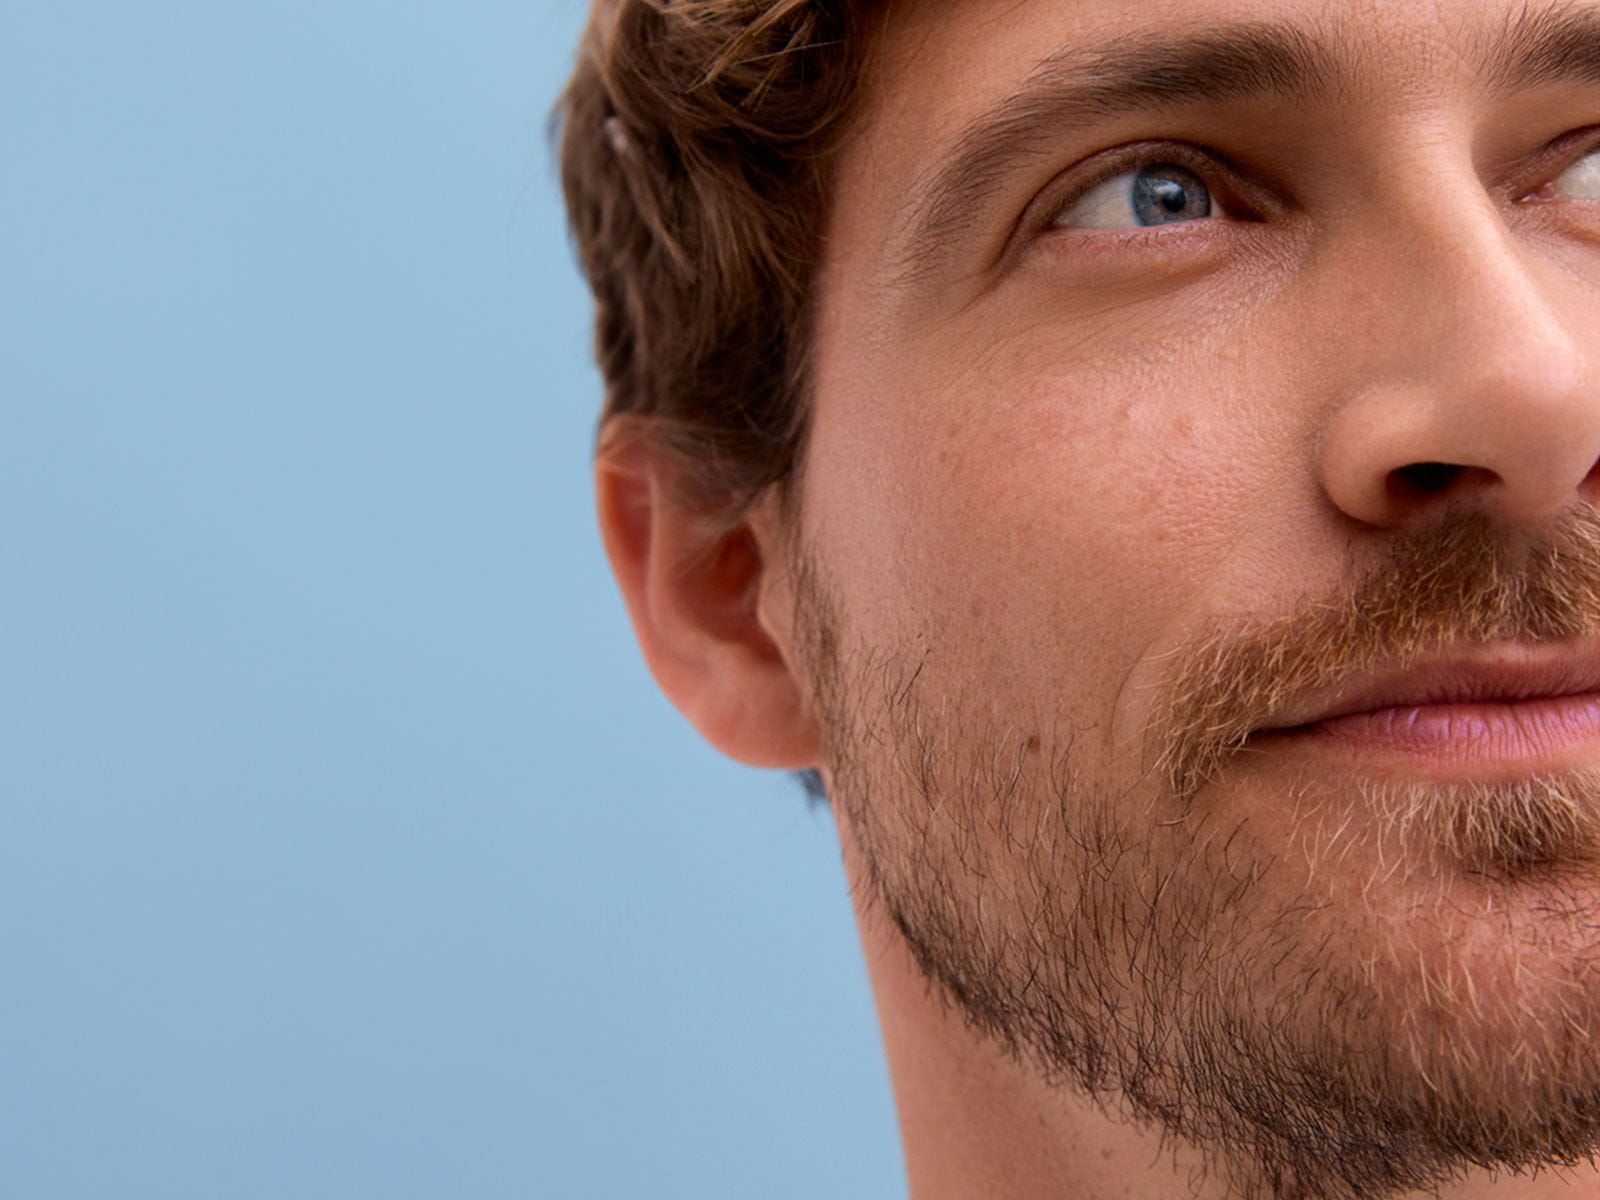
[1185, 377]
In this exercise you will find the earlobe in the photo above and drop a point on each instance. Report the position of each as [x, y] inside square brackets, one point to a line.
[693, 592]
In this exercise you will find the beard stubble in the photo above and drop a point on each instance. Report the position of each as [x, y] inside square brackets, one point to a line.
[1331, 989]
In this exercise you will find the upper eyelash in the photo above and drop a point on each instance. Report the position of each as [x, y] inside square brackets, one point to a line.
[1203, 164]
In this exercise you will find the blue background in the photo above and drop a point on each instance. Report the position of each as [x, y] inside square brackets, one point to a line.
[346, 848]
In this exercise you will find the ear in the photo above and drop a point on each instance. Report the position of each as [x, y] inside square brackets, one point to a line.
[704, 609]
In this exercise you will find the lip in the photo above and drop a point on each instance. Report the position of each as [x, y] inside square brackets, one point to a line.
[1509, 703]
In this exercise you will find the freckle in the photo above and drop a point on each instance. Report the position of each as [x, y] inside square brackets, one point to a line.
[1033, 744]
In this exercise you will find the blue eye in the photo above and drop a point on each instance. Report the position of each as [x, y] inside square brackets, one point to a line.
[1158, 194]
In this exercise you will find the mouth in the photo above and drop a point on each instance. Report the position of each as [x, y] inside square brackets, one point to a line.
[1510, 705]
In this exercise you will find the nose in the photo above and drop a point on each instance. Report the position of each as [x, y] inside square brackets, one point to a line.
[1467, 381]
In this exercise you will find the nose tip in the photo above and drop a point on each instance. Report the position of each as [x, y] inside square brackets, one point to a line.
[1467, 371]
[1382, 474]
[1508, 422]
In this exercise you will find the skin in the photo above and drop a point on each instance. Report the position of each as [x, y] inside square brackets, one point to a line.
[1038, 479]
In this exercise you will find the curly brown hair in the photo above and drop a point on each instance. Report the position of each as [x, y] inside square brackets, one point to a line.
[695, 141]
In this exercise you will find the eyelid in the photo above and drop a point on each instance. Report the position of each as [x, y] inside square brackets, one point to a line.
[1215, 171]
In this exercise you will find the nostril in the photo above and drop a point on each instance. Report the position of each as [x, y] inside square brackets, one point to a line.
[1418, 481]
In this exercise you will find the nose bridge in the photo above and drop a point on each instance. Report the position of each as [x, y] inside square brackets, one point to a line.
[1466, 284]
[1466, 356]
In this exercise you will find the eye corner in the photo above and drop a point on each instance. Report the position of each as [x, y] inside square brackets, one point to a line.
[1581, 169]
[1543, 194]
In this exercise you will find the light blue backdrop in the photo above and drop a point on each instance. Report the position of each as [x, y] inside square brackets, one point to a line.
[346, 849]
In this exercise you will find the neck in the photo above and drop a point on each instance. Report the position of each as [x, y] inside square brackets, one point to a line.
[978, 1125]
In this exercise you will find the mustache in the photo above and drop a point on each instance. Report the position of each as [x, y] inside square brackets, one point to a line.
[1467, 579]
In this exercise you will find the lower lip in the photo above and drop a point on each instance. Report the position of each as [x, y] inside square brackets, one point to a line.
[1512, 730]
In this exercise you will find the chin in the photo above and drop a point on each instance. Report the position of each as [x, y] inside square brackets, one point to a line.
[1437, 959]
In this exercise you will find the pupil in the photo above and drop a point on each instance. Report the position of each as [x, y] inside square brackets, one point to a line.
[1167, 192]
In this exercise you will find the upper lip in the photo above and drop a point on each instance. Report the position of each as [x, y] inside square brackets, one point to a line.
[1500, 672]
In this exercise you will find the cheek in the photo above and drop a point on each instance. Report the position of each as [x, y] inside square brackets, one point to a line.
[1034, 516]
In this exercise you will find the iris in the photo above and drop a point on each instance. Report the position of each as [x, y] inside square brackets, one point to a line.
[1164, 192]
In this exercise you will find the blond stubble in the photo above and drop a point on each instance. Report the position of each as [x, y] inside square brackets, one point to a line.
[1370, 991]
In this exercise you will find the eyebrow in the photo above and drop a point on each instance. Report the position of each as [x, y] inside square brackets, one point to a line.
[1077, 85]
[1556, 44]
[1132, 73]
